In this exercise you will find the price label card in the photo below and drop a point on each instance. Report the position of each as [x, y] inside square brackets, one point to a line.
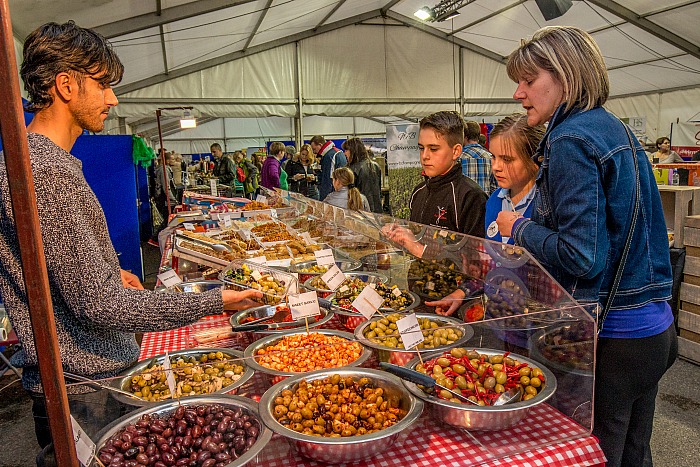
[368, 302]
[256, 275]
[294, 286]
[306, 236]
[212, 185]
[273, 213]
[410, 331]
[228, 222]
[334, 277]
[188, 225]
[258, 260]
[83, 444]
[396, 292]
[169, 278]
[261, 199]
[303, 305]
[324, 257]
[169, 376]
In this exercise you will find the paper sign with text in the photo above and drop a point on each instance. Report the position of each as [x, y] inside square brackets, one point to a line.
[188, 225]
[324, 257]
[84, 446]
[410, 331]
[368, 302]
[169, 375]
[306, 236]
[334, 277]
[304, 305]
[212, 185]
[169, 278]
[261, 199]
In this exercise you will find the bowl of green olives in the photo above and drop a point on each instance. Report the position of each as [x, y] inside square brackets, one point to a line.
[482, 375]
[439, 333]
[197, 372]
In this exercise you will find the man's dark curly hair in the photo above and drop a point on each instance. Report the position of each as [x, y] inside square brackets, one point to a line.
[57, 48]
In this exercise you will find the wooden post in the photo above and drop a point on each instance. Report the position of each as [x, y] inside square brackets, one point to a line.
[36, 280]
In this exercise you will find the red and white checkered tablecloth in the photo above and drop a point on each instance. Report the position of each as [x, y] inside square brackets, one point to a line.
[545, 438]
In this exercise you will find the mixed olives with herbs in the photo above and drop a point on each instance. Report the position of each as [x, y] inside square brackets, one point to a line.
[394, 298]
[480, 377]
[205, 435]
[244, 278]
[205, 374]
[383, 331]
[337, 407]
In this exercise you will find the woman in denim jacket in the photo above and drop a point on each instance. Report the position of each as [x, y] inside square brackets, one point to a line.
[583, 210]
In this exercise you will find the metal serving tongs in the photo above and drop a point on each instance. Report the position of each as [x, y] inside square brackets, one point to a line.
[213, 246]
[98, 385]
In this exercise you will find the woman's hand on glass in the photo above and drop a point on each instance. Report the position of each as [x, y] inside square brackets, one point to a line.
[448, 304]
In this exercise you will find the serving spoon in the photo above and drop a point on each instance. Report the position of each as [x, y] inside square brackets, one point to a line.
[98, 385]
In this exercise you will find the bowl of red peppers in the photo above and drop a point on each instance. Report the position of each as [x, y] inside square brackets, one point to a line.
[481, 375]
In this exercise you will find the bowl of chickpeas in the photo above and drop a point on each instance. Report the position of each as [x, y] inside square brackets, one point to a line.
[340, 415]
[294, 352]
[196, 372]
[439, 333]
[482, 375]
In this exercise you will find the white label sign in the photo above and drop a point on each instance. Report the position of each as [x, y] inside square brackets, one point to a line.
[410, 331]
[396, 292]
[212, 185]
[258, 259]
[273, 213]
[83, 444]
[304, 305]
[368, 302]
[261, 199]
[333, 278]
[256, 275]
[188, 225]
[169, 278]
[169, 376]
[324, 257]
[228, 222]
[306, 236]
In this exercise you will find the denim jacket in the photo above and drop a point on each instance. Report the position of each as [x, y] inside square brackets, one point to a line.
[583, 211]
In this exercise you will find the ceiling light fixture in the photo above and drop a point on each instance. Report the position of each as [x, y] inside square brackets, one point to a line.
[188, 120]
[446, 9]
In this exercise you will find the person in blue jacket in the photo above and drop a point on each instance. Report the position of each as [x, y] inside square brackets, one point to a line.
[513, 143]
[594, 183]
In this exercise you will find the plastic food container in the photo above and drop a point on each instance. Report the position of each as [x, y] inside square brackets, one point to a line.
[273, 283]
[345, 449]
[310, 269]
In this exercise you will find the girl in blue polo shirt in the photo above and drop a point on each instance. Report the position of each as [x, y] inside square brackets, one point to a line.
[513, 143]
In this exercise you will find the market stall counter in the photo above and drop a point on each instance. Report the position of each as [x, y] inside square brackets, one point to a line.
[516, 326]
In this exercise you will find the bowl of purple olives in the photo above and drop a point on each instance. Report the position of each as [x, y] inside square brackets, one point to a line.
[209, 431]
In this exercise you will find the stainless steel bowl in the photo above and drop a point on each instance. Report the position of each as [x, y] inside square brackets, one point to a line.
[164, 408]
[487, 418]
[142, 365]
[248, 337]
[275, 375]
[193, 287]
[352, 319]
[368, 277]
[401, 356]
[338, 450]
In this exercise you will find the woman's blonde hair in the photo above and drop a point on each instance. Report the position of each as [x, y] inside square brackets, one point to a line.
[310, 152]
[347, 178]
[519, 139]
[572, 56]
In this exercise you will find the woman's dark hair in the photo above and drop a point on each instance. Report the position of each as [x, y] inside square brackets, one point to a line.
[660, 141]
[357, 149]
[447, 124]
[65, 48]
